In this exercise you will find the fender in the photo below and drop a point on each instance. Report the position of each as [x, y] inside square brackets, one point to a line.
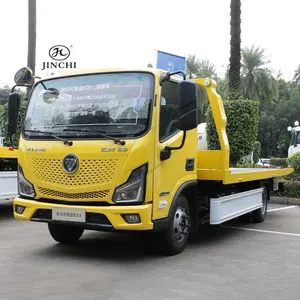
[178, 193]
[159, 225]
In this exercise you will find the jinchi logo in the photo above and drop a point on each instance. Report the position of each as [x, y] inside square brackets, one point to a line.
[59, 52]
[59, 55]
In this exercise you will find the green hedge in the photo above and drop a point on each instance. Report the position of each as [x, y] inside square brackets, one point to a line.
[242, 128]
[294, 161]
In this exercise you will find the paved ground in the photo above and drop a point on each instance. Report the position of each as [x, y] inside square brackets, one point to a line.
[221, 263]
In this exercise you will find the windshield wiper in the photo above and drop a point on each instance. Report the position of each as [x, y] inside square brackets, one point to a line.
[66, 142]
[117, 141]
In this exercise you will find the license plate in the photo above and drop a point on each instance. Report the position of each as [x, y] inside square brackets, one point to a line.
[68, 214]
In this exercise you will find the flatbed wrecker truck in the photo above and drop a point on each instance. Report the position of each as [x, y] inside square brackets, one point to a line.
[116, 150]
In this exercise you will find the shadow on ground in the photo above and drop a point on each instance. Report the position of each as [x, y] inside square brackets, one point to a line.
[128, 247]
[6, 211]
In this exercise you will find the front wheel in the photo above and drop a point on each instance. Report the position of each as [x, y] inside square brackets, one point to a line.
[259, 215]
[65, 234]
[177, 233]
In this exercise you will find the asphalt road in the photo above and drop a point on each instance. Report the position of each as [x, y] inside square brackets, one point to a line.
[220, 263]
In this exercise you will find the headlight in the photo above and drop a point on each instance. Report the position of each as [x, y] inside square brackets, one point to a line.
[134, 189]
[25, 188]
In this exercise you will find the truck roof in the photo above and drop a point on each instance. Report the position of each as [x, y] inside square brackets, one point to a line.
[103, 70]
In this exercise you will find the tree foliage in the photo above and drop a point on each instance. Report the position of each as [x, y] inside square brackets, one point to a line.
[4, 92]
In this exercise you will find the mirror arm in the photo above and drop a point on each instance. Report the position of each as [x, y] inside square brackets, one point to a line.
[12, 143]
[166, 76]
[166, 152]
[181, 145]
[23, 85]
[179, 72]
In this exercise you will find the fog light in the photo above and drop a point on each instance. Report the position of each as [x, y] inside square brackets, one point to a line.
[20, 209]
[132, 219]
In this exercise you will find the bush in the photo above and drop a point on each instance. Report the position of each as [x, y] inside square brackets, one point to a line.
[242, 128]
[294, 162]
[279, 162]
[291, 189]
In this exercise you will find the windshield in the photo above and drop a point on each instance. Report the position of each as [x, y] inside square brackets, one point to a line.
[117, 104]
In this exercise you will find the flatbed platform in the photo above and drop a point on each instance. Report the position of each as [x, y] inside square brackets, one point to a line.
[248, 170]
[235, 175]
[249, 174]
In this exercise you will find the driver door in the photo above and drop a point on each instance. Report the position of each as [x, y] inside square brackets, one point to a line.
[170, 174]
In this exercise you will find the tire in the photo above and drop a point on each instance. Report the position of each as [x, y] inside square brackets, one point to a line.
[65, 234]
[259, 215]
[177, 233]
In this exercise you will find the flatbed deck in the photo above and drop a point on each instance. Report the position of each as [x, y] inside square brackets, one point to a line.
[248, 170]
[236, 175]
[249, 174]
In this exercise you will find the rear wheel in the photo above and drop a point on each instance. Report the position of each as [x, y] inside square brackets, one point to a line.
[259, 215]
[65, 234]
[177, 233]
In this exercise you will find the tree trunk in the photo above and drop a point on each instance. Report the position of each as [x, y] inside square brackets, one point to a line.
[235, 49]
[31, 37]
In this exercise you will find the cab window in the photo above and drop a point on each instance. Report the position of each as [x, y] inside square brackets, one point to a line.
[169, 107]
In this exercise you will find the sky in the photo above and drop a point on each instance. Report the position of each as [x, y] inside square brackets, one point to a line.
[119, 33]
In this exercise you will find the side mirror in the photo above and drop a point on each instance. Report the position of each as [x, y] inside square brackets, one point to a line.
[188, 105]
[14, 101]
[23, 76]
[50, 95]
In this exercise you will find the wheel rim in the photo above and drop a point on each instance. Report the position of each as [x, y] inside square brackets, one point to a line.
[180, 224]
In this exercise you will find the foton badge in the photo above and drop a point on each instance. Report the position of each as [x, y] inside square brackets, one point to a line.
[70, 163]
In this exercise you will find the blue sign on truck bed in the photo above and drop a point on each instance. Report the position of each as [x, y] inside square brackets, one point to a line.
[170, 62]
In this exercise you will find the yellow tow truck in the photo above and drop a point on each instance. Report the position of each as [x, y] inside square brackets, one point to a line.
[116, 150]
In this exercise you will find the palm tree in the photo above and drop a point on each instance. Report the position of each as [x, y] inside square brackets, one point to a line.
[31, 34]
[206, 69]
[258, 82]
[192, 66]
[196, 68]
[235, 49]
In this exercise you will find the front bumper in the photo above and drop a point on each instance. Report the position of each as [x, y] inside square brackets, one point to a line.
[108, 218]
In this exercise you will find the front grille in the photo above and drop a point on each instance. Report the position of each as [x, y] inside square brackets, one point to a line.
[90, 195]
[90, 172]
[76, 202]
